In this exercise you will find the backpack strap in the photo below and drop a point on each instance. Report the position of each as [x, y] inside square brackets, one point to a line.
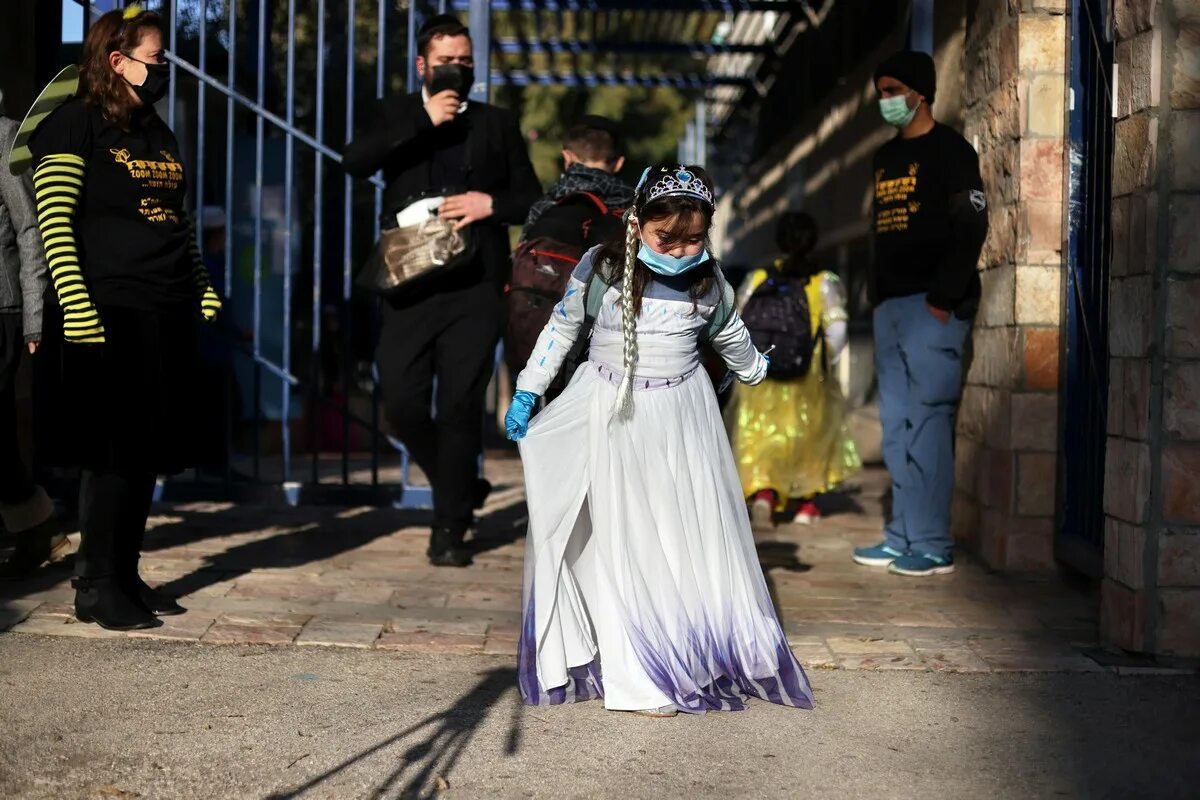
[724, 310]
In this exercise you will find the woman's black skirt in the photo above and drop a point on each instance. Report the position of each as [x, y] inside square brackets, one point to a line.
[128, 404]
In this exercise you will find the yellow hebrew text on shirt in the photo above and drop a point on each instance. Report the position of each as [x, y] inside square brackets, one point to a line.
[167, 174]
[894, 209]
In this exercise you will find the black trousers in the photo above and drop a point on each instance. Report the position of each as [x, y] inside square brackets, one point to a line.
[113, 507]
[16, 485]
[448, 338]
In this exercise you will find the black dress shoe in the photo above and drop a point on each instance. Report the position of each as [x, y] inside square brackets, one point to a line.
[104, 602]
[446, 548]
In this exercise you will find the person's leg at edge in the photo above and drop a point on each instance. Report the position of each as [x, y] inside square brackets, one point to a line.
[464, 359]
[892, 375]
[26, 511]
[935, 352]
[99, 597]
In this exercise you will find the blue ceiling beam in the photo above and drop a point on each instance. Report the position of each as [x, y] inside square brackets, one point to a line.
[522, 78]
[511, 45]
[793, 6]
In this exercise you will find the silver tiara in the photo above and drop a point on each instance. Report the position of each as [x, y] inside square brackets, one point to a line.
[680, 182]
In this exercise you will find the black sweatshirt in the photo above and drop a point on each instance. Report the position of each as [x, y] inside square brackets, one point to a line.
[930, 220]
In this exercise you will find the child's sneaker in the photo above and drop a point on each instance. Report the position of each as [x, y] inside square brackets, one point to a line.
[762, 511]
[878, 556]
[807, 514]
[917, 565]
[664, 711]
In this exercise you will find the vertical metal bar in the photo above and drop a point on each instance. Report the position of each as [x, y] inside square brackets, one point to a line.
[701, 154]
[416, 18]
[347, 228]
[921, 26]
[318, 246]
[380, 86]
[481, 38]
[171, 87]
[231, 9]
[258, 216]
[289, 154]
[201, 120]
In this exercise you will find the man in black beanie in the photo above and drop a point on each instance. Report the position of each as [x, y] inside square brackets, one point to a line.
[435, 142]
[930, 224]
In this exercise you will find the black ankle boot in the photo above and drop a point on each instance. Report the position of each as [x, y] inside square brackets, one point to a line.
[104, 602]
[446, 548]
[154, 601]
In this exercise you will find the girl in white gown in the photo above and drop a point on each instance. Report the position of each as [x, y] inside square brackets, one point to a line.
[642, 583]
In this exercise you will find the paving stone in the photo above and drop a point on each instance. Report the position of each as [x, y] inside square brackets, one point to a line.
[880, 662]
[416, 597]
[484, 598]
[430, 642]
[338, 633]
[500, 646]
[845, 646]
[456, 627]
[13, 612]
[814, 656]
[54, 610]
[372, 595]
[264, 618]
[65, 626]
[227, 633]
[276, 590]
[953, 659]
[188, 627]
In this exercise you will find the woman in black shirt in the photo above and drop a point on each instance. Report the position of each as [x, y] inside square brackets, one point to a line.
[128, 278]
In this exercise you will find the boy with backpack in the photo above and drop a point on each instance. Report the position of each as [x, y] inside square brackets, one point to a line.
[789, 433]
[581, 210]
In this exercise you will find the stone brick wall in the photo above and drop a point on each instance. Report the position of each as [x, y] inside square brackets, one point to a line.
[1151, 588]
[1015, 90]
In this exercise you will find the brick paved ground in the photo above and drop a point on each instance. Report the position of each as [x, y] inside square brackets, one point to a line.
[357, 577]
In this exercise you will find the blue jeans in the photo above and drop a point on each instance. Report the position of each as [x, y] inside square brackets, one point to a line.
[918, 361]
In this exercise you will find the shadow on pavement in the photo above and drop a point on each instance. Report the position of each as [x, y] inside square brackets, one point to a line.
[432, 748]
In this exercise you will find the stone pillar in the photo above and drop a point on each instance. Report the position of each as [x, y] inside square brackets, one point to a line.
[1016, 85]
[1151, 587]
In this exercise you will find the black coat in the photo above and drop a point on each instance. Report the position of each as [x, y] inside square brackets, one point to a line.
[399, 138]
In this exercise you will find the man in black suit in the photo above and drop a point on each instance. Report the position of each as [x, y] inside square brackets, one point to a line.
[446, 327]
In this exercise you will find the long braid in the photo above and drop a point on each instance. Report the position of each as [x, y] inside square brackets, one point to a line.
[624, 405]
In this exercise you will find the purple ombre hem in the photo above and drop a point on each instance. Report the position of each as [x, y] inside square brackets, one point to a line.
[729, 689]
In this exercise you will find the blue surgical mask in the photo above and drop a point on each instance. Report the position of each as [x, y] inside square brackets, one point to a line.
[896, 112]
[666, 265]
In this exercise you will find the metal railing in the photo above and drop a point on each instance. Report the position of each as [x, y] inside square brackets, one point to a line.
[1080, 538]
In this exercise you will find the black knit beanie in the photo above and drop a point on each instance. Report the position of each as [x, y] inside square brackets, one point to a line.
[912, 68]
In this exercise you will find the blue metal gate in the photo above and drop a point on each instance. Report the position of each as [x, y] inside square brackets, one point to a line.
[260, 88]
[1080, 538]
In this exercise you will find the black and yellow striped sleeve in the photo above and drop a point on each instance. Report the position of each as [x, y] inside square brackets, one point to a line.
[210, 303]
[58, 185]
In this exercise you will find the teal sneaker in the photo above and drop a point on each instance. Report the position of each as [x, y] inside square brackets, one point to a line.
[878, 556]
[917, 565]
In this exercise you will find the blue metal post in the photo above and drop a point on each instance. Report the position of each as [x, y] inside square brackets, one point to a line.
[347, 238]
[258, 215]
[920, 32]
[481, 38]
[318, 246]
[286, 322]
[416, 18]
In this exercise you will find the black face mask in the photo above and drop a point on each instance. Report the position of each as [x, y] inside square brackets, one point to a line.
[154, 88]
[459, 78]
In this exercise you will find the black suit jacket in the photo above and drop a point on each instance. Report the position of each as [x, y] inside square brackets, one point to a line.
[398, 137]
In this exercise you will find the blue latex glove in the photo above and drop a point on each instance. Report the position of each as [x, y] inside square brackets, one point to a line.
[516, 421]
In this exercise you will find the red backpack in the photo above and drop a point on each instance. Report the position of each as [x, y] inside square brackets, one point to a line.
[542, 266]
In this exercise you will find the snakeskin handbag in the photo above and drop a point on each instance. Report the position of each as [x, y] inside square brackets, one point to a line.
[422, 244]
